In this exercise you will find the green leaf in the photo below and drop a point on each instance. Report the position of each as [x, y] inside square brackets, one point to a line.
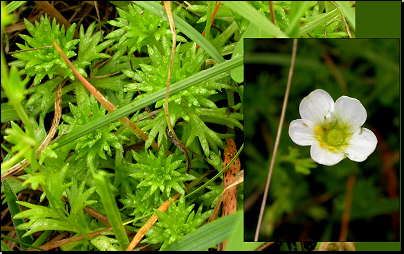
[44, 225]
[236, 241]
[111, 208]
[298, 9]
[253, 31]
[208, 235]
[13, 6]
[36, 212]
[88, 46]
[348, 12]
[259, 20]
[320, 20]
[14, 209]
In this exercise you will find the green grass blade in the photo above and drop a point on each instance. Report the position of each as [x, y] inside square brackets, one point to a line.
[5, 247]
[248, 12]
[184, 27]
[208, 235]
[15, 241]
[111, 208]
[348, 12]
[146, 101]
[14, 209]
[323, 18]
[14, 5]
[299, 8]
[236, 242]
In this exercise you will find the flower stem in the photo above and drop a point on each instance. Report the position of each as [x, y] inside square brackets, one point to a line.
[278, 136]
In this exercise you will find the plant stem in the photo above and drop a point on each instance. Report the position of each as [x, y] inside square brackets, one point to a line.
[278, 136]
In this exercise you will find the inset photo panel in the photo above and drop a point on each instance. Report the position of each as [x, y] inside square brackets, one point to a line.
[335, 175]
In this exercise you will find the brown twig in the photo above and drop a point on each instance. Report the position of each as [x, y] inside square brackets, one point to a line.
[57, 244]
[271, 11]
[143, 230]
[343, 18]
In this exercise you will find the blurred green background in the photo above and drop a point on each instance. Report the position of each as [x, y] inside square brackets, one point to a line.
[306, 200]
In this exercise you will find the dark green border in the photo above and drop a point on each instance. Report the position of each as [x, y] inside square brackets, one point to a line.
[363, 246]
[378, 19]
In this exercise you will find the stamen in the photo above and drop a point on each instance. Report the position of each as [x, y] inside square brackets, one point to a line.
[331, 148]
[318, 129]
[322, 144]
[319, 138]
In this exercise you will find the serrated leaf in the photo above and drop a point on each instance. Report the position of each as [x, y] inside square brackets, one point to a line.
[44, 225]
[36, 212]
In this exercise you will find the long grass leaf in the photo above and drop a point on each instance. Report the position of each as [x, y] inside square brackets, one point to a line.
[248, 12]
[348, 12]
[299, 8]
[14, 208]
[323, 18]
[111, 208]
[146, 101]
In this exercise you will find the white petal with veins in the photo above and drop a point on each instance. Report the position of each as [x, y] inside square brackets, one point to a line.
[317, 107]
[325, 156]
[361, 145]
[301, 132]
[350, 112]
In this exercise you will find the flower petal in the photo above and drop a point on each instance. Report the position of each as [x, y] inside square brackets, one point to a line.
[317, 107]
[325, 156]
[302, 132]
[361, 145]
[350, 113]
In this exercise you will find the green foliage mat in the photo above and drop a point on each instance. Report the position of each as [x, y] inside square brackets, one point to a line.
[123, 49]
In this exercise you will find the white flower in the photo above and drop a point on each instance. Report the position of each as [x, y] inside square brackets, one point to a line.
[332, 130]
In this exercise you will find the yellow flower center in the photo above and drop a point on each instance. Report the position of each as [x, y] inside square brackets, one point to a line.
[334, 137]
[331, 137]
